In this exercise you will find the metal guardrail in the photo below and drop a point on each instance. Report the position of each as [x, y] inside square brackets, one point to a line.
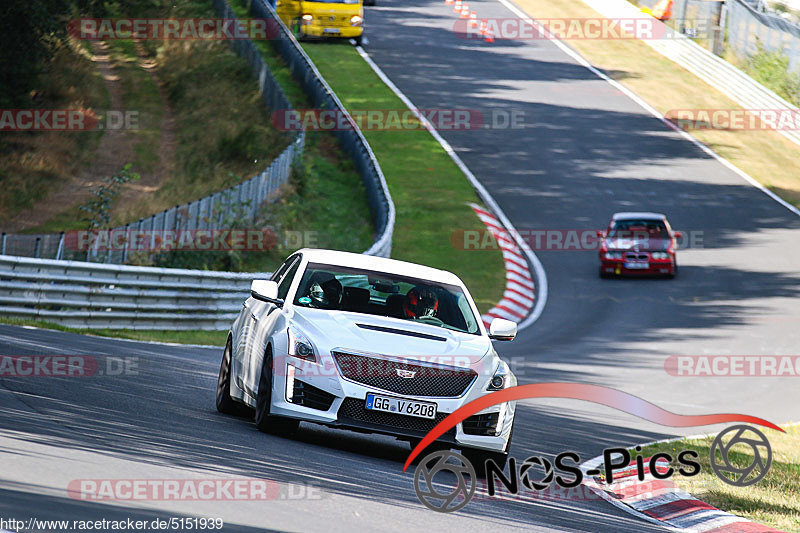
[353, 141]
[710, 68]
[91, 295]
[96, 295]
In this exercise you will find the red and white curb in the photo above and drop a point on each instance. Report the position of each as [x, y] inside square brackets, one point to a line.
[659, 501]
[519, 296]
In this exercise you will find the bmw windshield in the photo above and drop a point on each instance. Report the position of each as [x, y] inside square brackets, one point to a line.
[381, 294]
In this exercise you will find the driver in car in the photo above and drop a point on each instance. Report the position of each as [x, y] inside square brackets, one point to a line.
[325, 291]
[420, 302]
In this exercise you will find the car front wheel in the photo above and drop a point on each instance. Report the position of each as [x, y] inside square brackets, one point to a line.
[264, 420]
[225, 404]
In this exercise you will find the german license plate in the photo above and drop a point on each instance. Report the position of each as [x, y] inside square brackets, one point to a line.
[400, 406]
[634, 266]
[330, 30]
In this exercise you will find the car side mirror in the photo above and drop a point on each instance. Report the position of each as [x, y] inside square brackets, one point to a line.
[678, 234]
[601, 233]
[266, 291]
[502, 330]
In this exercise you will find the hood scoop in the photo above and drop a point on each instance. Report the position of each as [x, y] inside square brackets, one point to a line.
[408, 333]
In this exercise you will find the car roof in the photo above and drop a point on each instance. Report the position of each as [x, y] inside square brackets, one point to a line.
[643, 215]
[379, 264]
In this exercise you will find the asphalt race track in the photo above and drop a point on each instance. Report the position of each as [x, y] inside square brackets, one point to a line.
[586, 151]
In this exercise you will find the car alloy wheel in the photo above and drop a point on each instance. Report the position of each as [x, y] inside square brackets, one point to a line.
[225, 404]
[264, 420]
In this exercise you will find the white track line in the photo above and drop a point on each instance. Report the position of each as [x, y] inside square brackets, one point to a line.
[540, 276]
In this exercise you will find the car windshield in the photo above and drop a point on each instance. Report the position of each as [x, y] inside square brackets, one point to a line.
[381, 294]
[637, 228]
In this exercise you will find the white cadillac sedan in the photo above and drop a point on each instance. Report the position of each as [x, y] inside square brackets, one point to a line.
[368, 344]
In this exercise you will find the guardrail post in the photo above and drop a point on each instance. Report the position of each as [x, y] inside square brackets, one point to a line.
[3, 251]
[37, 247]
[60, 250]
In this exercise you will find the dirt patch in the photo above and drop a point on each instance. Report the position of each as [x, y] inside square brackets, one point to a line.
[114, 151]
[151, 181]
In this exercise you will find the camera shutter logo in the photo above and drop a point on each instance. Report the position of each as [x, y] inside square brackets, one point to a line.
[458, 495]
[722, 452]
[543, 464]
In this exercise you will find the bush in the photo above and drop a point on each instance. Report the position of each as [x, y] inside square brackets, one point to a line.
[772, 70]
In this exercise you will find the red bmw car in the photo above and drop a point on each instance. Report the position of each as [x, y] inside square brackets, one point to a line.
[638, 244]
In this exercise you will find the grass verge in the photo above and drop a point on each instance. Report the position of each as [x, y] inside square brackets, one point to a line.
[773, 501]
[767, 156]
[430, 192]
[207, 338]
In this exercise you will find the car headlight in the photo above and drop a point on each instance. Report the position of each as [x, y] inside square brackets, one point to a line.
[613, 255]
[300, 346]
[307, 18]
[501, 379]
[355, 20]
[659, 255]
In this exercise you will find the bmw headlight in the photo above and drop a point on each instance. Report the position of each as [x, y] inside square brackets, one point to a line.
[307, 18]
[502, 378]
[613, 255]
[659, 255]
[300, 346]
[355, 20]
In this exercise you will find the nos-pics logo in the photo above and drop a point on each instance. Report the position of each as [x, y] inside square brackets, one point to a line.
[740, 456]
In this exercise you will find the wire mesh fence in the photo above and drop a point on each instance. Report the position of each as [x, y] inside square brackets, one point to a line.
[747, 28]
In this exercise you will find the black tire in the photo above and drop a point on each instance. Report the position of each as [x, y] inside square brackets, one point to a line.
[225, 404]
[603, 274]
[358, 40]
[264, 420]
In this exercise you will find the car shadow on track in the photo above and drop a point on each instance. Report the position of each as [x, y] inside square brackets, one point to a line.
[165, 416]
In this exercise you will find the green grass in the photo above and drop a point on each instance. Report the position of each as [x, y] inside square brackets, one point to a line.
[774, 501]
[772, 70]
[207, 338]
[430, 192]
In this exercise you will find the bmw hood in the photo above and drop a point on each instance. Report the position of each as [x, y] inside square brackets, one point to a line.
[361, 333]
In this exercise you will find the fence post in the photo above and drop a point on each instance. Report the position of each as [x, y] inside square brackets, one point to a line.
[60, 250]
